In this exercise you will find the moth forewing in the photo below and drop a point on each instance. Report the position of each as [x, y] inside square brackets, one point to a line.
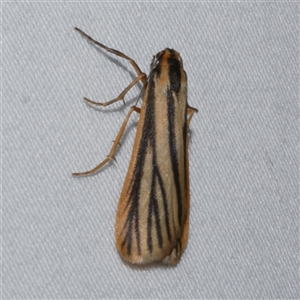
[153, 210]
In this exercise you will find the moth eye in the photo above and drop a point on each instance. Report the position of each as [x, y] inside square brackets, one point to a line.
[153, 62]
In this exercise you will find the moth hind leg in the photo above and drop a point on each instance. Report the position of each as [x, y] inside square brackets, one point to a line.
[114, 147]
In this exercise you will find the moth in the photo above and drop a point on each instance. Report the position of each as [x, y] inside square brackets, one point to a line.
[153, 211]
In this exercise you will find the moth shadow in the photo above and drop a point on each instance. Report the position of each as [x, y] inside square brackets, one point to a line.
[150, 266]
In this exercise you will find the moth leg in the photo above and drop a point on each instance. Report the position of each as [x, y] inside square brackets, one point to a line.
[120, 97]
[191, 110]
[141, 76]
[114, 147]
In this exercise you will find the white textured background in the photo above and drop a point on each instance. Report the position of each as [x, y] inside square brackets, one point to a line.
[242, 61]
